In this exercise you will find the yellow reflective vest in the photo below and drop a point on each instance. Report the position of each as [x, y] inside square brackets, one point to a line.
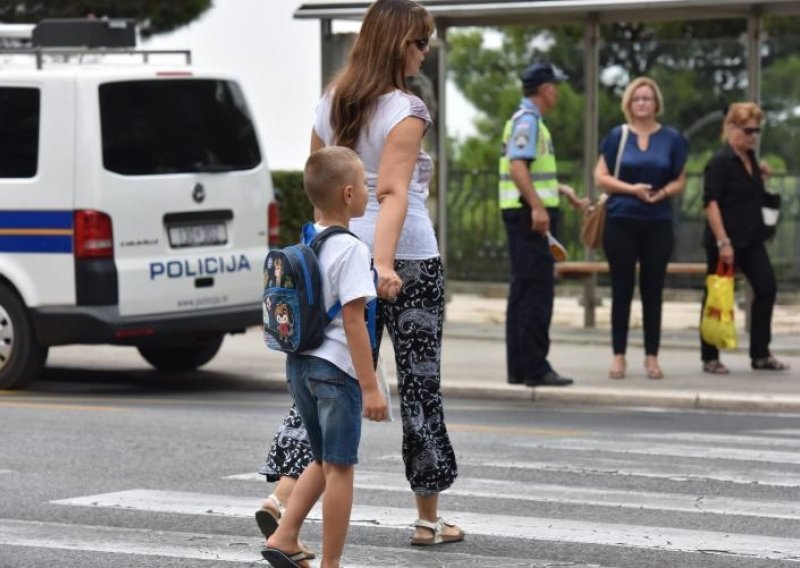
[543, 168]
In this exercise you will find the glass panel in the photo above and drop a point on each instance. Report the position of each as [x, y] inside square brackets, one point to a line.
[176, 126]
[19, 132]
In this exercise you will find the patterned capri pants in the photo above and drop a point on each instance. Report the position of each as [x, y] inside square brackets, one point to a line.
[414, 322]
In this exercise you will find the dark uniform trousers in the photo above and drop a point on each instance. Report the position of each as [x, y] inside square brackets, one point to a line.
[530, 298]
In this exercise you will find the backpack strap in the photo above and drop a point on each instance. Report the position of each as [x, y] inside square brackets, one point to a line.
[310, 237]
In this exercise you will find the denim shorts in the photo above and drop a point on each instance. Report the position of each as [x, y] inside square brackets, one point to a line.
[329, 402]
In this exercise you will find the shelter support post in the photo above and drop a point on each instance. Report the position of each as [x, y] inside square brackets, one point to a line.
[591, 58]
[754, 37]
[441, 144]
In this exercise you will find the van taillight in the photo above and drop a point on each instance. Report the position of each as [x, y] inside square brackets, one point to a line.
[93, 237]
[273, 224]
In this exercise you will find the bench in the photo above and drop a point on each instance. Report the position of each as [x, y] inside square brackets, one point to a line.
[578, 269]
[582, 270]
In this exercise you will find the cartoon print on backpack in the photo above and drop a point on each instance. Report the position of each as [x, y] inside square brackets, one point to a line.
[276, 276]
[283, 315]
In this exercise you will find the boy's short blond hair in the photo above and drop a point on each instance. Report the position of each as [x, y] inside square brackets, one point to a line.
[327, 170]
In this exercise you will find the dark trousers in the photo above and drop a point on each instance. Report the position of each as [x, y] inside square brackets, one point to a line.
[530, 296]
[626, 242]
[753, 262]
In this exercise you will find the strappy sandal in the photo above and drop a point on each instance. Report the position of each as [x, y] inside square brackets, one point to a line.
[768, 364]
[715, 367]
[268, 519]
[436, 533]
[654, 372]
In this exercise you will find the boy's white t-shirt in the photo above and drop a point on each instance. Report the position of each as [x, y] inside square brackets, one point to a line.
[344, 264]
[417, 239]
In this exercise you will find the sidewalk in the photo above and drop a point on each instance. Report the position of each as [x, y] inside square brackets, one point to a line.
[473, 360]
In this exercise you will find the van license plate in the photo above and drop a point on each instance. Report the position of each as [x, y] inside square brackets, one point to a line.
[181, 236]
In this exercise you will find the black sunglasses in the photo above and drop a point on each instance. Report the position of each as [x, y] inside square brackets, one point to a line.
[421, 43]
[750, 131]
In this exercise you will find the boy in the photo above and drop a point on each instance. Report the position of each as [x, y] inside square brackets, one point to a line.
[329, 383]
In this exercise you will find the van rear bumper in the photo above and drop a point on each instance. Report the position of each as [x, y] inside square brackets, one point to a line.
[104, 324]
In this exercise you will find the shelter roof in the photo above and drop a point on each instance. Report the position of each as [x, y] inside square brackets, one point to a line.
[499, 12]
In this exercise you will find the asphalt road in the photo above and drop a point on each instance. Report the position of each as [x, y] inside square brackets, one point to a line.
[106, 463]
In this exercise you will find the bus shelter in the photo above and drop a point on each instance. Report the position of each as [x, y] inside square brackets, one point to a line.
[591, 14]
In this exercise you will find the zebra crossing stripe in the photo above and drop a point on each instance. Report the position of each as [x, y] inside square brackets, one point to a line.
[746, 474]
[647, 448]
[503, 526]
[225, 548]
[472, 487]
[728, 439]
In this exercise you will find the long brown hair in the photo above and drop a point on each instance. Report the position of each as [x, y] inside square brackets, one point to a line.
[376, 64]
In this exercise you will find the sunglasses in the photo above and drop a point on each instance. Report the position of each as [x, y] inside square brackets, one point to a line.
[421, 43]
[750, 131]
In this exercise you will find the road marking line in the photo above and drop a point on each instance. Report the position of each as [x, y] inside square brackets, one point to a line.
[717, 439]
[472, 487]
[795, 432]
[228, 548]
[621, 467]
[551, 432]
[504, 526]
[667, 450]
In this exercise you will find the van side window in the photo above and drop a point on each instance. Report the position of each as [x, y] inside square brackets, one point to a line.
[153, 127]
[19, 132]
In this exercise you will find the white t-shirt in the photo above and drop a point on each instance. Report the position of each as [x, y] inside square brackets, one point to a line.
[417, 239]
[346, 276]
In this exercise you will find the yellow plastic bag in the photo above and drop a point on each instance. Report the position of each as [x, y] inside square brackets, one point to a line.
[717, 326]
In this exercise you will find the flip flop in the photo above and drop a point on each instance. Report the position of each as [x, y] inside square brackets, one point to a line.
[437, 537]
[280, 559]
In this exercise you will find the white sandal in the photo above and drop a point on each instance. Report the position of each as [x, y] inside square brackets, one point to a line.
[436, 528]
[267, 519]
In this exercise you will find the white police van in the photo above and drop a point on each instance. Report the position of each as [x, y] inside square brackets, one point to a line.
[136, 205]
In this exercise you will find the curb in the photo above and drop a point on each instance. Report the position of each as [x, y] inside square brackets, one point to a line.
[585, 396]
[568, 396]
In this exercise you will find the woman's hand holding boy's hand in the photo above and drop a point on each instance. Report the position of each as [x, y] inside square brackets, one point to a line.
[374, 404]
[389, 283]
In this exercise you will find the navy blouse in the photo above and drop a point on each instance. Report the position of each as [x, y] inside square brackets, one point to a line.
[661, 163]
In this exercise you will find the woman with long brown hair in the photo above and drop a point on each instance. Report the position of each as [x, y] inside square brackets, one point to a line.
[369, 108]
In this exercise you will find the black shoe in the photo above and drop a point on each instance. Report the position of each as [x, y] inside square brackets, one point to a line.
[515, 380]
[549, 379]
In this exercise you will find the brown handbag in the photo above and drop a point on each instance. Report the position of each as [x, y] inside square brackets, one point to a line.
[594, 218]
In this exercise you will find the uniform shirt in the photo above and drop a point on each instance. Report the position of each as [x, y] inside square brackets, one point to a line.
[738, 195]
[417, 239]
[661, 163]
[346, 276]
[521, 144]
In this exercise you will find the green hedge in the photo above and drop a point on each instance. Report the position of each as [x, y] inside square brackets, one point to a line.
[295, 209]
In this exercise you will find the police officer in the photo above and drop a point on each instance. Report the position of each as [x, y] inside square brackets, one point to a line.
[529, 196]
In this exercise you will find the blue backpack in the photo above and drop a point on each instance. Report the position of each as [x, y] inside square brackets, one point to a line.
[294, 312]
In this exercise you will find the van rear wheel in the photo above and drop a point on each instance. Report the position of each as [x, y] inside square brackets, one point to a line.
[21, 357]
[186, 356]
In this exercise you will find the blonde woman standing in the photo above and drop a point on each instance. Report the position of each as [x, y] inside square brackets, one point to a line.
[639, 226]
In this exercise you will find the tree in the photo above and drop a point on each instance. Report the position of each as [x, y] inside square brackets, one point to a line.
[700, 66]
[154, 16]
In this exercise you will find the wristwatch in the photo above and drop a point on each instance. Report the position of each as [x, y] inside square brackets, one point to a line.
[722, 242]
